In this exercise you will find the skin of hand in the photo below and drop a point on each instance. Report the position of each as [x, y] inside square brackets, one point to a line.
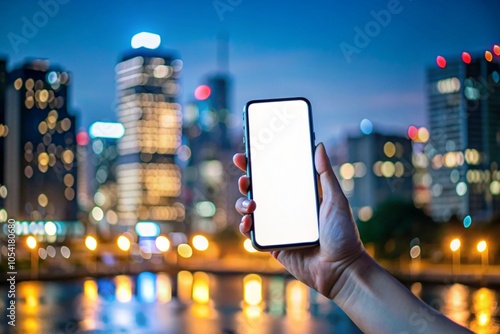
[319, 267]
[340, 268]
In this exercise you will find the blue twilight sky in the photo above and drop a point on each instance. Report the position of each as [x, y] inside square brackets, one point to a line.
[286, 48]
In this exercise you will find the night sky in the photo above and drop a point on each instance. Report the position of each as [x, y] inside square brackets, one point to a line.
[276, 49]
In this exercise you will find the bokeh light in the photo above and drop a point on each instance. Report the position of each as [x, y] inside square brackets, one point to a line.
[467, 221]
[413, 132]
[162, 243]
[200, 243]
[366, 126]
[496, 50]
[466, 58]
[455, 245]
[31, 242]
[441, 61]
[123, 243]
[488, 56]
[185, 251]
[247, 244]
[481, 246]
[202, 92]
[91, 243]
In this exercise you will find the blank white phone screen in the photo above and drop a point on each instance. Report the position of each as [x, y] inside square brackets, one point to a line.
[282, 173]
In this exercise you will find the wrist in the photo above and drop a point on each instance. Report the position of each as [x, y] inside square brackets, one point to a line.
[350, 276]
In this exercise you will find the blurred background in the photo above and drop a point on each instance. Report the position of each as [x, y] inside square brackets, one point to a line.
[118, 123]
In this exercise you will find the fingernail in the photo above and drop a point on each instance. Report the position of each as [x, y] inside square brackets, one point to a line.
[245, 204]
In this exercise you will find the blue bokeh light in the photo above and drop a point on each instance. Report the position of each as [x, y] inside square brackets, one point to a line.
[366, 126]
[467, 221]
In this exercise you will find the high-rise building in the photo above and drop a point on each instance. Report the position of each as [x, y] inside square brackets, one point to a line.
[210, 176]
[103, 162]
[464, 147]
[4, 130]
[40, 174]
[378, 168]
[148, 177]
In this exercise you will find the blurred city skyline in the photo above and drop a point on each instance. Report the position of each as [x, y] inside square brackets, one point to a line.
[322, 56]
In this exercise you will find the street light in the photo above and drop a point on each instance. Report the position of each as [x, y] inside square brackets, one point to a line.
[91, 244]
[124, 244]
[455, 248]
[31, 242]
[482, 247]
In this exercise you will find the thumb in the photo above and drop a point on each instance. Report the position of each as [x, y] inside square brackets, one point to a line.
[330, 186]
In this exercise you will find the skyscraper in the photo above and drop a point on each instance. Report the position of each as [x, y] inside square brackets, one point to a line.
[378, 168]
[148, 177]
[40, 174]
[464, 150]
[103, 161]
[210, 174]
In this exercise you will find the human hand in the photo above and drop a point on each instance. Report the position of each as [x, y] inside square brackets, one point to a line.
[319, 267]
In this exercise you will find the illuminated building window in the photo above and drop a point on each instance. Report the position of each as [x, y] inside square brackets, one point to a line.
[18, 83]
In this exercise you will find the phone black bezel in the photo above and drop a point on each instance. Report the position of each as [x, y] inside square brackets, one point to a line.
[249, 171]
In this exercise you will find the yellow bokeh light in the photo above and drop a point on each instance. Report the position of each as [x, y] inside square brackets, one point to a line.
[389, 149]
[123, 243]
[347, 171]
[388, 169]
[43, 159]
[18, 83]
[455, 245]
[423, 135]
[200, 243]
[247, 244]
[91, 242]
[185, 250]
[44, 95]
[68, 156]
[31, 242]
[43, 200]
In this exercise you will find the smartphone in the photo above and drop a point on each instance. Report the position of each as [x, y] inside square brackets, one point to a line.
[279, 145]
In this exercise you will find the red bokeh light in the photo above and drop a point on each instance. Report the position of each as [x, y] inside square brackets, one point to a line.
[413, 132]
[466, 57]
[441, 61]
[202, 92]
[82, 138]
[496, 50]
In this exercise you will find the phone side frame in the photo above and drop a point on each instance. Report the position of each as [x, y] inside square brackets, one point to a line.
[246, 142]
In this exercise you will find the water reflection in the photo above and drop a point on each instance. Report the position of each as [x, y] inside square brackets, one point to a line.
[28, 306]
[484, 305]
[146, 285]
[123, 288]
[163, 288]
[207, 303]
[184, 286]
[297, 300]
[88, 306]
[456, 303]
